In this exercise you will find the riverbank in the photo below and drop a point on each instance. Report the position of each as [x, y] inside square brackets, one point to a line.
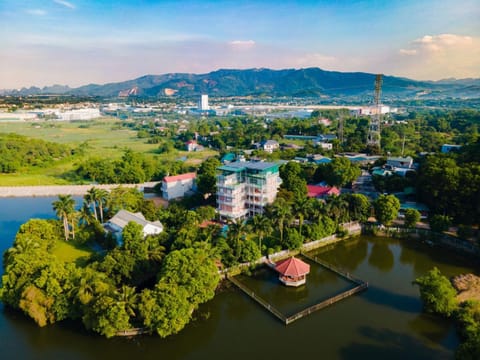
[55, 190]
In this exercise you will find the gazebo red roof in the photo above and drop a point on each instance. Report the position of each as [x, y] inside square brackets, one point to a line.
[292, 267]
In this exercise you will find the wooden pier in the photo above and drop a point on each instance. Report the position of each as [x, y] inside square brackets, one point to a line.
[259, 300]
[360, 286]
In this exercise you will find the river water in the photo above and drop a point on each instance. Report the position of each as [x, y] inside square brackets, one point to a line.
[386, 321]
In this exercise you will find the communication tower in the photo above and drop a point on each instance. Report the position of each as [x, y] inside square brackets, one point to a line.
[373, 138]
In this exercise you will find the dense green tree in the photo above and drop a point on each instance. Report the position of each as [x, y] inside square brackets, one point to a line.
[437, 294]
[129, 199]
[206, 176]
[165, 309]
[193, 270]
[18, 152]
[249, 251]
[412, 217]
[292, 180]
[339, 172]
[386, 208]
[440, 223]
[359, 206]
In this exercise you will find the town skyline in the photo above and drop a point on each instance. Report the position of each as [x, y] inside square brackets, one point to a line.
[75, 43]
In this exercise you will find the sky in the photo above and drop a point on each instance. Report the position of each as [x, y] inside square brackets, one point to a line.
[77, 42]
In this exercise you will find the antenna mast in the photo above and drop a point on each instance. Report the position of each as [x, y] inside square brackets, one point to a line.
[373, 138]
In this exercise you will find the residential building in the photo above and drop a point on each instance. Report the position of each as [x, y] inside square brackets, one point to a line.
[270, 145]
[177, 186]
[192, 145]
[446, 148]
[400, 162]
[322, 192]
[116, 224]
[324, 145]
[244, 188]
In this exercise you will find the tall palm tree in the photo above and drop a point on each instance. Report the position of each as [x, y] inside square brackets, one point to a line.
[261, 226]
[73, 219]
[64, 207]
[301, 208]
[235, 232]
[337, 207]
[91, 199]
[85, 213]
[101, 197]
[281, 214]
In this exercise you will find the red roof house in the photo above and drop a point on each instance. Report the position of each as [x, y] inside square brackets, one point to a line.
[185, 176]
[321, 192]
[293, 271]
[177, 186]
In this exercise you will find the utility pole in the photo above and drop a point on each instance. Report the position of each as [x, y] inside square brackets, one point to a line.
[373, 138]
[340, 129]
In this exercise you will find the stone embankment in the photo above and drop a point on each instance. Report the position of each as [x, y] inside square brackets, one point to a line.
[54, 190]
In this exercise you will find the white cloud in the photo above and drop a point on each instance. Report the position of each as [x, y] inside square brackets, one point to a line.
[438, 43]
[37, 12]
[65, 3]
[242, 43]
[438, 56]
[408, 51]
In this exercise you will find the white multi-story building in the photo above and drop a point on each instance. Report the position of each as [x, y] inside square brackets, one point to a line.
[177, 186]
[204, 103]
[244, 188]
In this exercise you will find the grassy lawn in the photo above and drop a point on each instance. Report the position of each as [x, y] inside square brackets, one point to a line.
[69, 252]
[106, 138]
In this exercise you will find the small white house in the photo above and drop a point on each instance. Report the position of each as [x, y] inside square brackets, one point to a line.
[116, 224]
[270, 145]
[177, 186]
[400, 162]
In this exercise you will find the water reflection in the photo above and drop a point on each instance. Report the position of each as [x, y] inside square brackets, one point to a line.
[389, 344]
[381, 257]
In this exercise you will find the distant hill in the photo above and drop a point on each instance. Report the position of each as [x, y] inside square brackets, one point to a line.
[309, 82]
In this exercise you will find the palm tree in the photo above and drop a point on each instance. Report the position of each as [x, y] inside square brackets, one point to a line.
[20, 247]
[91, 199]
[281, 214]
[85, 213]
[156, 254]
[337, 207]
[302, 208]
[235, 232]
[262, 226]
[101, 197]
[73, 218]
[127, 298]
[64, 207]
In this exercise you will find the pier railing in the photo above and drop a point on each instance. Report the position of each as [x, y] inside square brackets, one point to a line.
[360, 286]
[326, 303]
[259, 300]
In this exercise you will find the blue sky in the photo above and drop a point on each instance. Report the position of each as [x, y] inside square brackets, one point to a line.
[76, 42]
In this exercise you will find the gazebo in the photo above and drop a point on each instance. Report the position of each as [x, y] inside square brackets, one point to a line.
[293, 271]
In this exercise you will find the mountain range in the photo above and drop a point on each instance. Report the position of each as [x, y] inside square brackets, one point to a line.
[309, 82]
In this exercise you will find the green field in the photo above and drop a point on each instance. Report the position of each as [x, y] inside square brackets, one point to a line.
[69, 252]
[105, 137]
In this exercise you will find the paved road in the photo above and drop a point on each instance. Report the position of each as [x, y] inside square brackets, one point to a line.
[54, 190]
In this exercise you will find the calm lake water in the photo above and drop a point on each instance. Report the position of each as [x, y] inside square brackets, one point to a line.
[386, 321]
